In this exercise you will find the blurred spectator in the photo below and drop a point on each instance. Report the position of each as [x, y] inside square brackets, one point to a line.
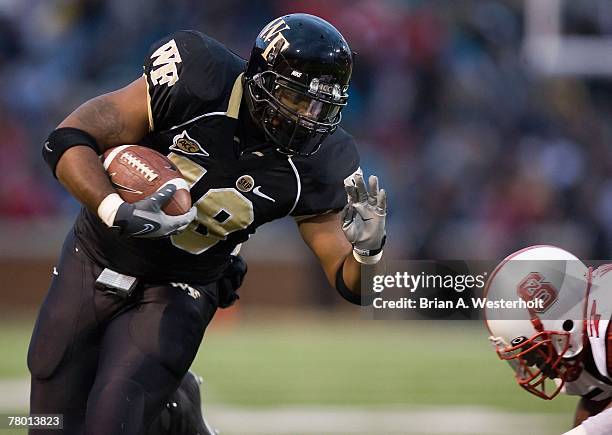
[479, 156]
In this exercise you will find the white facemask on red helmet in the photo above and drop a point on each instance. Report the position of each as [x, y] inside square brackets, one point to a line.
[541, 342]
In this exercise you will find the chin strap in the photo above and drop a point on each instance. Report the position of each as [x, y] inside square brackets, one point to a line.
[585, 340]
[609, 350]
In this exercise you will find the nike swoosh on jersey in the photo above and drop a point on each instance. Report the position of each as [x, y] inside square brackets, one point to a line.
[257, 191]
[47, 147]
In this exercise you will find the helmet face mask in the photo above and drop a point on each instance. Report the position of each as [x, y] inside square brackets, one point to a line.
[296, 121]
[297, 81]
[538, 359]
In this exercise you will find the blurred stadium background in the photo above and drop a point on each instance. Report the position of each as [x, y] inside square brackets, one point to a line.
[489, 125]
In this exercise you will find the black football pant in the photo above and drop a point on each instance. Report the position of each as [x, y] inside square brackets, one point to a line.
[109, 364]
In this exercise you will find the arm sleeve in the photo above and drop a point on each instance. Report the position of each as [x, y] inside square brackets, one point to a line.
[324, 175]
[184, 73]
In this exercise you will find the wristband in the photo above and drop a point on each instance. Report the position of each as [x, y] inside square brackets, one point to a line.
[369, 256]
[107, 210]
[367, 259]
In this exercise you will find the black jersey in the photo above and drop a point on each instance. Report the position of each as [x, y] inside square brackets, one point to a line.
[195, 92]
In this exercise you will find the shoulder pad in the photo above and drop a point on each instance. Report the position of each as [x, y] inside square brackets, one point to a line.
[323, 175]
[188, 73]
[336, 160]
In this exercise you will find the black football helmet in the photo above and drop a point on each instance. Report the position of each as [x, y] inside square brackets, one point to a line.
[297, 80]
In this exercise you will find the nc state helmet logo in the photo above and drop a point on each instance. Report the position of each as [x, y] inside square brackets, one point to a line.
[533, 287]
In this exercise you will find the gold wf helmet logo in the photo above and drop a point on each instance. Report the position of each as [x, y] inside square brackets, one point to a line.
[187, 145]
[277, 42]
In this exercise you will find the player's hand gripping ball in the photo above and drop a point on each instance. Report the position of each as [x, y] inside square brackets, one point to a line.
[157, 199]
[137, 172]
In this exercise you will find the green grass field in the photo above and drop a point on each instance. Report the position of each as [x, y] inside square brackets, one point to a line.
[342, 361]
[359, 362]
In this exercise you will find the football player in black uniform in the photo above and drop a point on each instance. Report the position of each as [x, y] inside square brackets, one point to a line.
[256, 141]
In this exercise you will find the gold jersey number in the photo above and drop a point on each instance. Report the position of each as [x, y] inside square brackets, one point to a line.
[219, 212]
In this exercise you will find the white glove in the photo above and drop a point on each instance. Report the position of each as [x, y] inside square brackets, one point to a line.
[363, 219]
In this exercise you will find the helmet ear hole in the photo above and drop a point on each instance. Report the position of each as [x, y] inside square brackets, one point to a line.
[568, 325]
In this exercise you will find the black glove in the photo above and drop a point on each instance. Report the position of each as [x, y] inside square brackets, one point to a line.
[146, 219]
[231, 281]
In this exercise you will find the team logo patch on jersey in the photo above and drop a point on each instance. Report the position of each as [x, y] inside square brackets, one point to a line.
[245, 183]
[187, 145]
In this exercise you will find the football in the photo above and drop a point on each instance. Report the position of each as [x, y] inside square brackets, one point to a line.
[137, 172]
